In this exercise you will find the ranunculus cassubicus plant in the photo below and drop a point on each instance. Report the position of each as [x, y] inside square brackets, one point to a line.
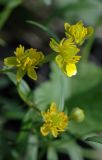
[54, 121]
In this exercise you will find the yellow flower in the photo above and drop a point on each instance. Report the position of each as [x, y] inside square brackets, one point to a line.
[78, 32]
[68, 66]
[55, 122]
[25, 62]
[66, 58]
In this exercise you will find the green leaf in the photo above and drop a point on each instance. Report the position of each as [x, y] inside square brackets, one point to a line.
[2, 42]
[24, 91]
[14, 3]
[86, 94]
[12, 77]
[22, 87]
[11, 2]
[9, 6]
[44, 28]
[74, 151]
[51, 154]
[90, 101]
[71, 9]
[57, 89]
[88, 76]
[87, 10]
[32, 148]
[12, 110]
[22, 138]
[70, 147]
[97, 139]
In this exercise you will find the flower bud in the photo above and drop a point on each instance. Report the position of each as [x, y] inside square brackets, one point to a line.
[77, 115]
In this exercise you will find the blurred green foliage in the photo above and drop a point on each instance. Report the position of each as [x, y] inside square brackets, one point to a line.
[83, 90]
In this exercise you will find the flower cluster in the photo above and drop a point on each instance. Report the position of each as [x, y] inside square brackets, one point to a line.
[78, 32]
[67, 49]
[56, 122]
[25, 61]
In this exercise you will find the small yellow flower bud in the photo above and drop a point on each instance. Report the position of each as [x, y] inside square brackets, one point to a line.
[77, 115]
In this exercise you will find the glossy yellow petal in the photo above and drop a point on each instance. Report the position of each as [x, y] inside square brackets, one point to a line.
[74, 59]
[44, 130]
[10, 61]
[53, 107]
[71, 70]
[66, 26]
[20, 74]
[59, 61]
[19, 51]
[34, 55]
[61, 42]
[32, 73]
[54, 45]
[90, 31]
[68, 49]
[54, 132]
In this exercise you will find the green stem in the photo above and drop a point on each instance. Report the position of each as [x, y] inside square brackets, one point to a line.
[5, 70]
[87, 49]
[44, 28]
[31, 105]
[48, 58]
[61, 103]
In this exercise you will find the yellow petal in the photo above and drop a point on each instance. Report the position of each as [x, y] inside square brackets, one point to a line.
[19, 51]
[32, 73]
[79, 23]
[71, 70]
[59, 61]
[53, 107]
[62, 41]
[54, 45]
[66, 26]
[10, 61]
[54, 132]
[90, 31]
[20, 74]
[44, 130]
